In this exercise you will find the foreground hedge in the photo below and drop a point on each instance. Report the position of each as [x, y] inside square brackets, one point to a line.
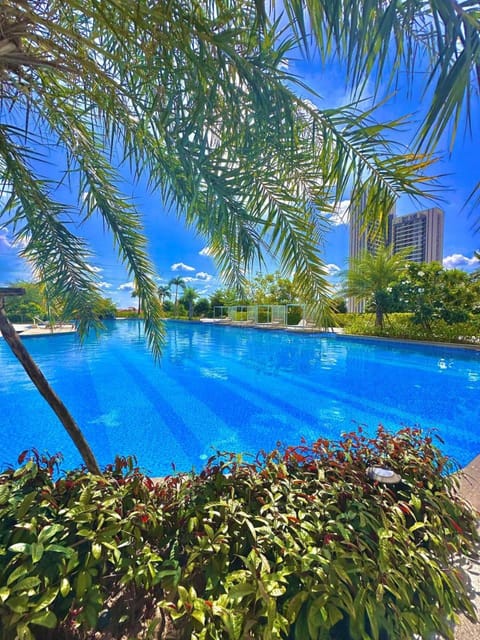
[401, 326]
[296, 544]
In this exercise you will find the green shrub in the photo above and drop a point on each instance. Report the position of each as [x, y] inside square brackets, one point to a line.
[296, 544]
[401, 326]
[126, 313]
[294, 315]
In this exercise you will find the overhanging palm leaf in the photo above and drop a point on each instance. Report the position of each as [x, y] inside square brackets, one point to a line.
[372, 36]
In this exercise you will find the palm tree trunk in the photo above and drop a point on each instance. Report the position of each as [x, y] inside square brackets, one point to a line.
[39, 380]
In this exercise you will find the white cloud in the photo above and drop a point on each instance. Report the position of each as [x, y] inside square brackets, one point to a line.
[181, 266]
[206, 251]
[104, 285]
[127, 286]
[340, 215]
[95, 269]
[332, 269]
[459, 261]
[201, 275]
[5, 243]
[19, 243]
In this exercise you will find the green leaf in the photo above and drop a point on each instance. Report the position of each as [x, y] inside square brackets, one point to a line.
[83, 582]
[26, 584]
[242, 589]
[91, 615]
[58, 548]
[46, 598]
[18, 573]
[18, 604]
[4, 493]
[37, 552]
[26, 504]
[44, 619]
[294, 604]
[65, 587]
[198, 615]
[49, 532]
[23, 632]
[372, 617]
[20, 547]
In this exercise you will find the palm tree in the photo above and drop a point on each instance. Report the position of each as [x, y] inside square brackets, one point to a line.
[196, 97]
[189, 296]
[370, 276]
[136, 294]
[177, 282]
[163, 292]
[476, 273]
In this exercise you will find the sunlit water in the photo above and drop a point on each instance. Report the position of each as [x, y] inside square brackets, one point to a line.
[232, 389]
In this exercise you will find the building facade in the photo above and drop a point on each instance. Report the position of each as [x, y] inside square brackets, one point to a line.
[421, 231]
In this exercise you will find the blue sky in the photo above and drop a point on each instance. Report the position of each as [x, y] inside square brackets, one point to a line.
[177, 251]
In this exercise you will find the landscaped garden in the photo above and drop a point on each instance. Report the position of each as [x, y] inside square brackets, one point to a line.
[297, 543]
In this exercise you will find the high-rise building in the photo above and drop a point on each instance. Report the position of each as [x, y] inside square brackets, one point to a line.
[422, 231]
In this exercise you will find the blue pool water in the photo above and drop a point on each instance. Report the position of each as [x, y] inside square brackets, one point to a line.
[232, 389]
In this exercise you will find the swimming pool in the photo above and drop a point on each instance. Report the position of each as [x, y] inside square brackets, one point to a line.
[233, 389]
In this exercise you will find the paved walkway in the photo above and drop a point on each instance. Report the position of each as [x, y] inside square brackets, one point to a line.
[470, 490]
[43, 330]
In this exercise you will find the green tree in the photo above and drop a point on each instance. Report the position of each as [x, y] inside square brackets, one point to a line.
[177, 282]
[28, 307]
[370, 277]
[188, 298]
[202, 307]
[271, 288]
[476, 273]
[164, 292]
[225, 298]
[106, 309]
[432, 293]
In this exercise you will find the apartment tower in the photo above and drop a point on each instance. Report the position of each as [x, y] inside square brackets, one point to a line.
[422, 231]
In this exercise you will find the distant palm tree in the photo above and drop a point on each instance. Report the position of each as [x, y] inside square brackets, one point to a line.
[177, 282]
[164, 292]
[371, 275]
[476, 273]
[136, 294]
[189, 296]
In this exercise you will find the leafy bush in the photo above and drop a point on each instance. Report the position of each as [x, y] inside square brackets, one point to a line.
[401, 325]
[295, 544]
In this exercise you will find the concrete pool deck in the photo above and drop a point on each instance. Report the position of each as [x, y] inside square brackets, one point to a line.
[470, 490]
[43, 329]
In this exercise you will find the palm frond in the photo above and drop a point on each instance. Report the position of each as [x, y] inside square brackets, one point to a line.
[372, 36]
[59, 258]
